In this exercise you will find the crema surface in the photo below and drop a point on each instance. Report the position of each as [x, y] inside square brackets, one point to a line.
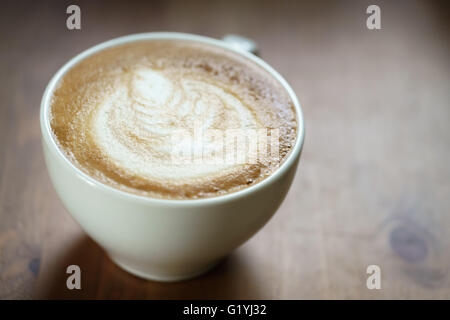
[172, 119]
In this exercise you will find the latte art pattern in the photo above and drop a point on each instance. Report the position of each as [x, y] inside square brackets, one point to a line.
[135, 126]
[118, 116]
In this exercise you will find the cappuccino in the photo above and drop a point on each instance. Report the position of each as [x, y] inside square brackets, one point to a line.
[126, 115]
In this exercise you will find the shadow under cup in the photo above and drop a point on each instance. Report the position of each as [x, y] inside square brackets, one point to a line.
[165, 240]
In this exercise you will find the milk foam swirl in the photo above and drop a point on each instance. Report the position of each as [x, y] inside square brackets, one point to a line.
[134, 127]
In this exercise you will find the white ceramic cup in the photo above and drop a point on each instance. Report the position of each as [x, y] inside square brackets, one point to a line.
[165, 240]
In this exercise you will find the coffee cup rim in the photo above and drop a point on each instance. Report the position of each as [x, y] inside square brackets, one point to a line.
[51, 141]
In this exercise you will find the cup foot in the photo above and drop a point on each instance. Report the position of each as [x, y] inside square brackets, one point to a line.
[163, 277]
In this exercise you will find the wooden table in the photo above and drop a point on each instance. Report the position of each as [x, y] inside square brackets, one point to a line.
[373, 185]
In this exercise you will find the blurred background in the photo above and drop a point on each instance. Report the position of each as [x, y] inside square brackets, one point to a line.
[373, 185]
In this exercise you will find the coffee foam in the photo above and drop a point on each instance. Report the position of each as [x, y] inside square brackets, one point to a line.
[115, 115]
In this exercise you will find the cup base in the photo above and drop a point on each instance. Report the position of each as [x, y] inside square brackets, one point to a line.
[163, 277]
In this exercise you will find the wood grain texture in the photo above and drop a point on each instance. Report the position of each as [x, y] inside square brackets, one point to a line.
[373, 185]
